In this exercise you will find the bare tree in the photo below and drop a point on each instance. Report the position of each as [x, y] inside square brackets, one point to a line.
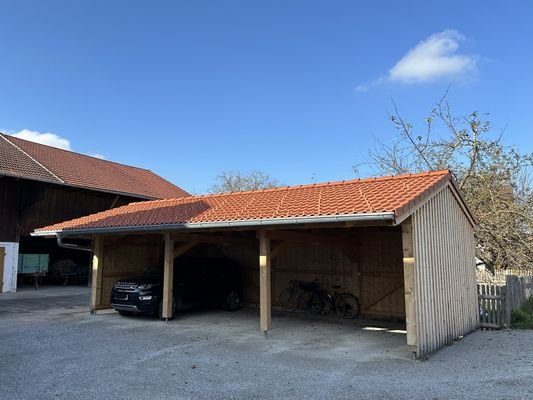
[495, 179]
[236, 181]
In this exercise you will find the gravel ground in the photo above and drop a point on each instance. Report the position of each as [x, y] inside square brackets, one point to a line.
[51, 348]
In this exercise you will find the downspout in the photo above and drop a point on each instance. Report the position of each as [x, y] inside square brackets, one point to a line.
[71, 246]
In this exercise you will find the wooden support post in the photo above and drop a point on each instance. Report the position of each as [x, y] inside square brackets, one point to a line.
[168, 276]
[409, 282]
[265, 301]
[2, 257]
[97, 273]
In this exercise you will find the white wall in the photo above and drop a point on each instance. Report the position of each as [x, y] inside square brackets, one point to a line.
[10, 266]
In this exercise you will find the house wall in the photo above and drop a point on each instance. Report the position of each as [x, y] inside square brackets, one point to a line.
[444, 272]
[26, 205]
[9, 279]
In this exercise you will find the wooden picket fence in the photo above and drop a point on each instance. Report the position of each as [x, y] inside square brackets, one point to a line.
[496, 302]
[492, 311]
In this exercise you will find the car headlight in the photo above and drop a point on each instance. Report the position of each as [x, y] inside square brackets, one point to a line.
[145, 286]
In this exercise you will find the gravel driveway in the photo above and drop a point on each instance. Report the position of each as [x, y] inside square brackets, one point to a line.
[51, 348]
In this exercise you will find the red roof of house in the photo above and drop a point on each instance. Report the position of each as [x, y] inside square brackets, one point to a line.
[395, 195]
[28, 160]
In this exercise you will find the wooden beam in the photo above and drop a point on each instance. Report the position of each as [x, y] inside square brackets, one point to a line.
[168, 275]
[265, 300]
[382, 297]
[278, 249]
[97, 273]
[118, 241]
[304, 237]
[182, 248]
[216, 239]
[409, 282]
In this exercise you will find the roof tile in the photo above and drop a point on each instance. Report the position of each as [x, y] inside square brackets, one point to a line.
[387, 194]
[31, 160]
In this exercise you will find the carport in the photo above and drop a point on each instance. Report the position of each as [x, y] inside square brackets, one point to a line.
[403, 245]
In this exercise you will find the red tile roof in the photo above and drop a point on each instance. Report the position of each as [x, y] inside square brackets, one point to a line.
[28, 160]
[395, 195]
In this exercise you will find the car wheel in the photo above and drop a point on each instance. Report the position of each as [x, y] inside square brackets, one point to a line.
[160, 313]
[232, 301]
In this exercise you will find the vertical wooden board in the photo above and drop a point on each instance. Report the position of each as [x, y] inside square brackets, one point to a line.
[409, 282]
[97, 267]
[265, 301]
[437, 262]
[498, 307]
[420, 272]
[168, 276]
[2, 257]
[452, 228]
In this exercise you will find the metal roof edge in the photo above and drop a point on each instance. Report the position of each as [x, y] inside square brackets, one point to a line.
[385, 217]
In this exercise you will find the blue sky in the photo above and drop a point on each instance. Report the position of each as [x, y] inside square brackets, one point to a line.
[297, 89]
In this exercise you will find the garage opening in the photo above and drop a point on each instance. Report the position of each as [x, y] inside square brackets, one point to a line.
[365, 262]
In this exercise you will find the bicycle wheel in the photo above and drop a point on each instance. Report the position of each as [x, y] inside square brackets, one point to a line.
[310, 303]
[288, 300]
[347, 305]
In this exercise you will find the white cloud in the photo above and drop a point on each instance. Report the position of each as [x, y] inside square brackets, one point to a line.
[47, 138]
[432, 59]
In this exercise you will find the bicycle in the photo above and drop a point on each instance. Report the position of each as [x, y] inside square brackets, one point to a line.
[314, 299]
[288, 298]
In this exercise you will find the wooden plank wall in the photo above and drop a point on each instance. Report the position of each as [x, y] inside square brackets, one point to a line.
[518, 289]
[26, 205]
[127, 256]
[381, 272]
[371, 268]
[445, 277]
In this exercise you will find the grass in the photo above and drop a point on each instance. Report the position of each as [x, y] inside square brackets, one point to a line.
[523, 317]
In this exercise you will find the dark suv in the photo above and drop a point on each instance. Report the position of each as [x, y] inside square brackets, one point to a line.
[197, 282]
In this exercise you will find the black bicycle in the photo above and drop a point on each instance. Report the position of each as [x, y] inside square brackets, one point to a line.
[311, 298]
[289, 298]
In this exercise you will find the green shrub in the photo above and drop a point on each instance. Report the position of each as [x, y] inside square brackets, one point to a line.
[523, 317]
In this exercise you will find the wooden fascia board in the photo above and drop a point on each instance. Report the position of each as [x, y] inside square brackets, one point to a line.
[406, 211]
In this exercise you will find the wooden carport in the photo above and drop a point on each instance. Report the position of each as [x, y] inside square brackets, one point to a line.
[428, 226]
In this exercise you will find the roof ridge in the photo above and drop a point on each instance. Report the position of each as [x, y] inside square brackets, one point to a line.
[4, 136]
[323, 184]
[77, 153]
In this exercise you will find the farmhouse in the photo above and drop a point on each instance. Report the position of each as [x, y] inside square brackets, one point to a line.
[404, 245]
[41, 185]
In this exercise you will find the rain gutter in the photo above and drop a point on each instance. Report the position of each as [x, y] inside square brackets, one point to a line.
[367, 217]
